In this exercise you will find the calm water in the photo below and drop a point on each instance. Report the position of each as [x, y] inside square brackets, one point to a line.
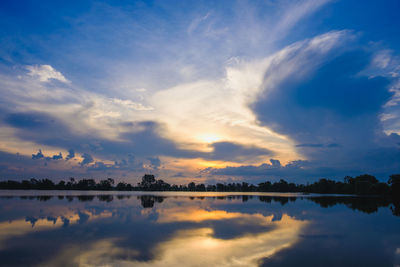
[194, 229]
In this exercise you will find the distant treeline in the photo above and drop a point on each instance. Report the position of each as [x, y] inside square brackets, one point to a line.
[361, 185]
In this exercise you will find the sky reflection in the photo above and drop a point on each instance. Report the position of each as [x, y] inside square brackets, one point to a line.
[147, 230]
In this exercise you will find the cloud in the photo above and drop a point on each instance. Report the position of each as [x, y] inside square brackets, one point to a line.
[178, 175]
[229, 151]
[144, 140]
[24, 120]
[155, 163]
[273, 170]
[19, 166]
[196, 22]
[151, 139]
[328, 103]
[318, 145]
[299, 171]
[275, 163]
[87, 159]
[130, 104]
[130, 161]
[129, 164]
[38, 155]
[45, 73]
[83, 117]
[222, 89]
[317, 93]
[297, 11]
[100, 166]
[71, 154]
[310, 145]
[57, 157]
[224, 109]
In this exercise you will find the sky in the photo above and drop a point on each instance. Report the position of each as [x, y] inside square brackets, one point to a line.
[204, 91]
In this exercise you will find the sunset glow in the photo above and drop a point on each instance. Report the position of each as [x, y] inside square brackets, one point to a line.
[235, 90]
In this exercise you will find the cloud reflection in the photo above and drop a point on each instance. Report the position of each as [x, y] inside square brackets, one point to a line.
[198, 246]
[181, 230]
[200, 215]
[21, 227]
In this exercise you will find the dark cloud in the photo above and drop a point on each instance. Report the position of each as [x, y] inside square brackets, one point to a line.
[26, 120]
[16, 166]
[334, 103]
[333, 115]
[126, 162]
[299, 171]
[71, 154]
[38, 155]
[155, 163]
[318, 145]
[129, 164]
[331, 112]
[310, 145]
[143, 140]
[236, 152]
[57, 157]
[100, 166]
[178, 175]
[272, 170]
[275, 163]
[87, 159]
[333, 145]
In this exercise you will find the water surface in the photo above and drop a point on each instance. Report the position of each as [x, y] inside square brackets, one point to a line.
[41, 228]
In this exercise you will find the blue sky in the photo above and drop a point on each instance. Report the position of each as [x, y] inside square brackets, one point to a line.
[199, 90]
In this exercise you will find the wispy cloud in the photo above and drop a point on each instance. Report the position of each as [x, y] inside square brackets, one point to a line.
[45, 73]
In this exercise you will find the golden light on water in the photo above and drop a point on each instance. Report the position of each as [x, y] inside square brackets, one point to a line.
[199, 245]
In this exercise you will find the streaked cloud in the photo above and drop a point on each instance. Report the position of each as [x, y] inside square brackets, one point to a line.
[45, 73]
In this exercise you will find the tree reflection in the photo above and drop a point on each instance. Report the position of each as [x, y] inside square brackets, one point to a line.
[364, 204]
[395, 207]
[85, 198]
[148, 201]
[106, 198]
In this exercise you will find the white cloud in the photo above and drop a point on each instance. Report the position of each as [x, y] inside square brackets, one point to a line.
[193, 113]
[196, 22]
[130, 104]
[221, 108]
[46, 72]
[382, 59]
[294, 12]
[193, 109]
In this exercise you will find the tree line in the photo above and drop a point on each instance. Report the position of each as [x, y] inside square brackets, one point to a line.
[361, 185]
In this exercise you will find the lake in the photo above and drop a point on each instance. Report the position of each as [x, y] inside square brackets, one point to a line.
[76, 228]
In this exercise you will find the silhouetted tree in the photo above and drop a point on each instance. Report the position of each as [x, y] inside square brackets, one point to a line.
[106, 184]
[192, 186]
[147, 181]
[363, 184]
[394, 182]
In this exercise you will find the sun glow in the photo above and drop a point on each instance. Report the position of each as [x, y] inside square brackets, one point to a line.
[209, 138]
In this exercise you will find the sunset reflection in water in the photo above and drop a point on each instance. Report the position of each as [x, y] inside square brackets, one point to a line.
[145, 230]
